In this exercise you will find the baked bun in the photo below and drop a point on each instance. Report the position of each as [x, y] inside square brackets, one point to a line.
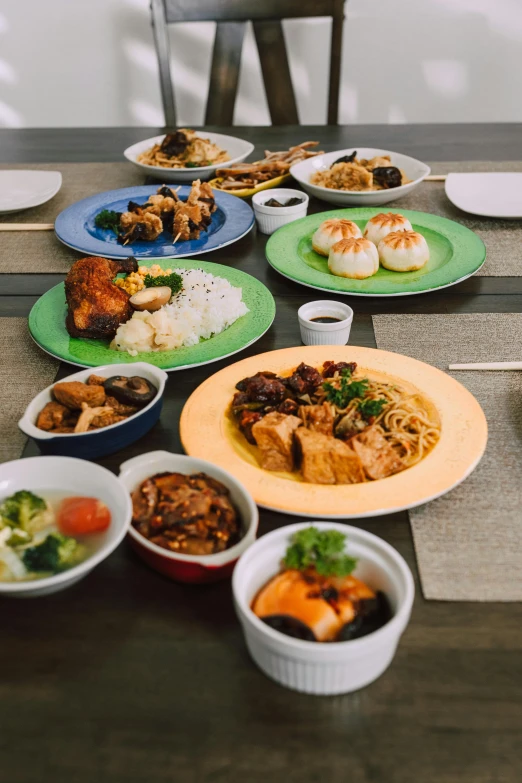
[383, 224]
[332, 231]
[403, 251]
[356, 258]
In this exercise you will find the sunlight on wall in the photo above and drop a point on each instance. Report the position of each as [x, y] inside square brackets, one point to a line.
[9, 117]
[446, 77]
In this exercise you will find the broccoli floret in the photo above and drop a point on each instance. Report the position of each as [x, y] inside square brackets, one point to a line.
[173, 280]
[56, 553]
[25, 510]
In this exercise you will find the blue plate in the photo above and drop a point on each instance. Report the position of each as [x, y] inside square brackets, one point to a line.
[75, 226]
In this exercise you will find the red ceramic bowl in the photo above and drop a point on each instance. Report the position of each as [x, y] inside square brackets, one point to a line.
[195, 569]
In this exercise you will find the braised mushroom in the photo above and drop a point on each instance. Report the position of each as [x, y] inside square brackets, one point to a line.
[134, 391]
[290, 626]
[151, 299]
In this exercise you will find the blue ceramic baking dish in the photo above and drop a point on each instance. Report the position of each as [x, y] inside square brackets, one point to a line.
[97, 443]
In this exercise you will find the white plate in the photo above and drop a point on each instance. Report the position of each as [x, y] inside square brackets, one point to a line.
[414, 170]
[22, 189]
[492, 194]
[238, 149]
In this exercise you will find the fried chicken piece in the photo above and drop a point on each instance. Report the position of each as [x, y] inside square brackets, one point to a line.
[74, 394]
[180, 227]
[146, 226]
[52, 416]
[96, 307]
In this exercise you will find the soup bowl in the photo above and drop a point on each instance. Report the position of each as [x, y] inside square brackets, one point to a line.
[46, 476]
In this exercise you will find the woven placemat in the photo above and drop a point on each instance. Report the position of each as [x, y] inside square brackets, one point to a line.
[503, 238]
[469, 542]
[40, 251]
[26, 370]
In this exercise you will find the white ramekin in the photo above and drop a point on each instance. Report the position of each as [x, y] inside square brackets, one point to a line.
[269, 219]
[313, 333]
[314, 667]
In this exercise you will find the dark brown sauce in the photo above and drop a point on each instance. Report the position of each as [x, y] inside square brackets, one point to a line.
[325, 319]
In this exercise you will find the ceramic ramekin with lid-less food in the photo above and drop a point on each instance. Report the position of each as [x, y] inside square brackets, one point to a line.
[106, 440]
[195, 569]
[269, 219]
[315, 667]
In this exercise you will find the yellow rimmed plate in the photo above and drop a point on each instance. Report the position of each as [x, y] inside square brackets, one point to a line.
[207, 431]
[247, 192]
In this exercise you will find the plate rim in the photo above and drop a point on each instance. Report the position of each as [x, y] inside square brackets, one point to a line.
[211, 430]
[349, 292]
[40, 199]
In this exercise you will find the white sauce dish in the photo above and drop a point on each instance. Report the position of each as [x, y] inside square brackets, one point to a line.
[269, 219]
[325, 322]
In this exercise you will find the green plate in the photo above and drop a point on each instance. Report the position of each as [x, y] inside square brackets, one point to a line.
[47, 327]
[455, 254]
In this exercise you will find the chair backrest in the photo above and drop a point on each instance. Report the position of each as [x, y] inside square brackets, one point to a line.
[231, 17]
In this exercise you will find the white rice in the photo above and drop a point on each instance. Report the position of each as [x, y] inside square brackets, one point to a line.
[206, 305]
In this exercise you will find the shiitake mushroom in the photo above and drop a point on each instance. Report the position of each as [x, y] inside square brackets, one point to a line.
[345, 158]
[135, 390]
[290, 626]
[372, 614]
[387, 176]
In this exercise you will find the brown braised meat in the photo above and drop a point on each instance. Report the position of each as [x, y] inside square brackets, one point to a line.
[378, 458]
[326, 460]
[73, 393]
[304, 380]
[96, 307]
[192, 515]
[318, 418]
[53, 415]
[330, 368]
[246, 421]
[263, 387]
[289, 407]
[274, 435]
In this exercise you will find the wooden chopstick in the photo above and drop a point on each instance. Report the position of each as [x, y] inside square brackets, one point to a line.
[26, 226]
[435, 178]
[487, 366]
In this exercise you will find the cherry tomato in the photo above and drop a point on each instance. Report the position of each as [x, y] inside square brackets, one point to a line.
[81, 516]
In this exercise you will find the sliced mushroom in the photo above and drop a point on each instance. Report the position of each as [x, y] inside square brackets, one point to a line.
[135, 390]
[88, 414]
[151, 299]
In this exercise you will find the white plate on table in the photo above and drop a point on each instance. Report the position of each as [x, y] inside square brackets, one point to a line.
[414, 169]
[489, 194]
[238, 149]
[23, 189]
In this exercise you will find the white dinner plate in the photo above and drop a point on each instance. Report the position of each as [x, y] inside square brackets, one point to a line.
[414, 169]
[22, 189]
[238, 150]
[490, 194]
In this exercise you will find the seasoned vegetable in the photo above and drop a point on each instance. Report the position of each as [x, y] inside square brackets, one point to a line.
[56, 553]
[26, 511]
[172, 281]
[320, 549]
[108, 219]
[80, 516]
[370, 408]
[347, 391]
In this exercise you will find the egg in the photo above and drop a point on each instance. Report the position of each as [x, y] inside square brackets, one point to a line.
[383, 224]
[332, 231]
[403, 251]
[356, 258]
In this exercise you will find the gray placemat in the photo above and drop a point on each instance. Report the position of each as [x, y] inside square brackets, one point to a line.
[25, 371]
[469, 542]
[503, 238]
[40, 251]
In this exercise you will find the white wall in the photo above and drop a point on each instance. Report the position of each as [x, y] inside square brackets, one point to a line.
[404, 61]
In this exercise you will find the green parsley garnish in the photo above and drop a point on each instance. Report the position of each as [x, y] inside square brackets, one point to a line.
[369, 408]
[191, 165]
[108, 219]
[319, 549]
[346, 392]
[174, 281]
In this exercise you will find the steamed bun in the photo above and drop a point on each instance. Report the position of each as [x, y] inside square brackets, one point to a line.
[403, 251]
[383, 224]
[356, 258]
[332, 231]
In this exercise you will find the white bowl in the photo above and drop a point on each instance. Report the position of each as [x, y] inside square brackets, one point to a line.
[238, 149]
[314, 333]
[189, 568]
[24, 188]
[414, 169]
[269, 219]
[314, 667]
[76, 477]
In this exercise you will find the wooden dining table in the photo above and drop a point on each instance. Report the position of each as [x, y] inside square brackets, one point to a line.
[130, 678]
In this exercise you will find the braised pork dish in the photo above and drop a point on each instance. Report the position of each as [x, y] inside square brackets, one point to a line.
[164, 214]
[334, 425]
[191, 515]
[352, 173]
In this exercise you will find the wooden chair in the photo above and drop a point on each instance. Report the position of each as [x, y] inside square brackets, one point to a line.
[231, 17]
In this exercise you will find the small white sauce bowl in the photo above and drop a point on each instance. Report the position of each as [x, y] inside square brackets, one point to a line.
[315, 667]
[315, 333]
[269, 219]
